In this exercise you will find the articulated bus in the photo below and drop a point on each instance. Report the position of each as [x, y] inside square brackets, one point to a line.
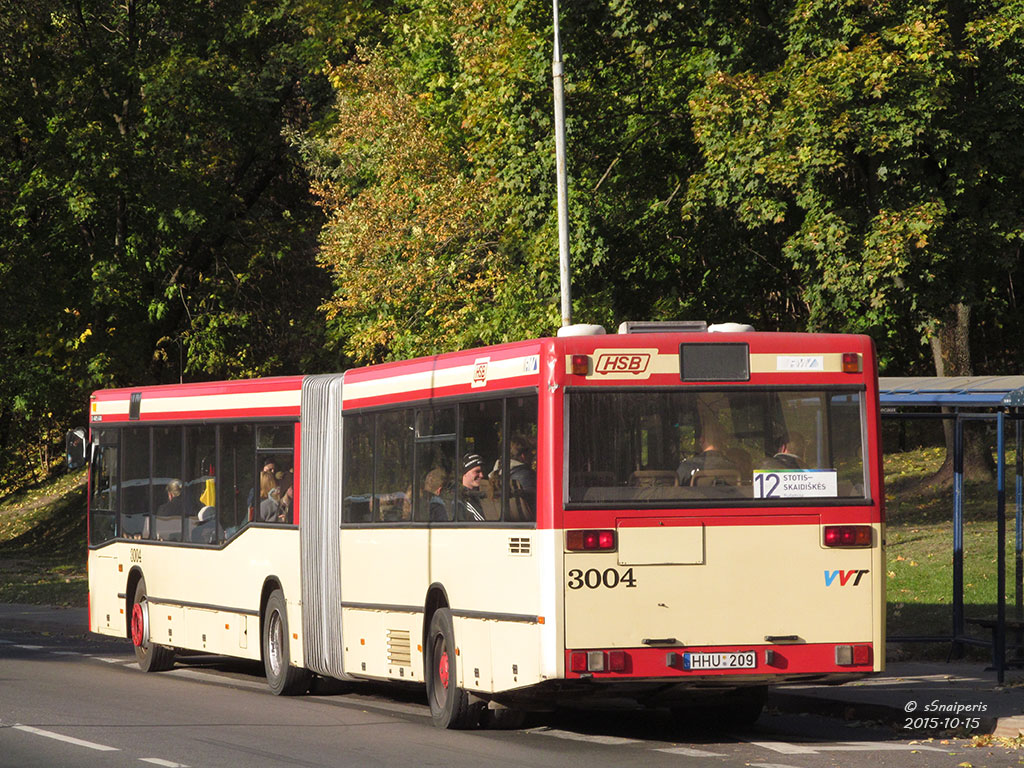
[654, 516]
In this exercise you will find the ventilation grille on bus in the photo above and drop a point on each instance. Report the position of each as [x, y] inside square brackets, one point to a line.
[519, 545]
[399, 647]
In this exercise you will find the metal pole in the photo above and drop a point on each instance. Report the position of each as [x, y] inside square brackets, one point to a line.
[563, 190]
[958, 537]
[1000, 638]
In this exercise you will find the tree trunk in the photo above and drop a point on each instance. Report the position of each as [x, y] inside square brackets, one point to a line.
[952, 354]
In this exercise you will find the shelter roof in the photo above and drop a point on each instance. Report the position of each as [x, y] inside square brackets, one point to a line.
[959, 391]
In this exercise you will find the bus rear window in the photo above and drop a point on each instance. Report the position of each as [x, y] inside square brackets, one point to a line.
[670, 448]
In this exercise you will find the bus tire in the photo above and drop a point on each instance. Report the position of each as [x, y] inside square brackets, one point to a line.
[449, 704]
[150, 656]
[282, 677]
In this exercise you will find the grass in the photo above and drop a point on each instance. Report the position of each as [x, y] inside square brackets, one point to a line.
[919, 537]
[42, 543]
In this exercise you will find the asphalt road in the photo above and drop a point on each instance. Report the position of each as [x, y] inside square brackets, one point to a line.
[82, 702]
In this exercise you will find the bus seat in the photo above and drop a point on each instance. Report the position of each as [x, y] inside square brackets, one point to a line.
[701, 478]
[645, 478]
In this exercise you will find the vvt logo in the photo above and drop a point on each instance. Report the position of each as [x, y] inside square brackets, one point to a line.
[844, 577]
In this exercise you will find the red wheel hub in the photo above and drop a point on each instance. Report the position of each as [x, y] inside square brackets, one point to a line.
[442, 669]
[138, 625]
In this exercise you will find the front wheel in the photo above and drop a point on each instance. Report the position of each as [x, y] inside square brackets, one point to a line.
[150, 656]
[283, 679]
[449, 704]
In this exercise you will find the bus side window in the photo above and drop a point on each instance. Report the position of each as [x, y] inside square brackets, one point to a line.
[357, 483]
[167, 487]
[522, 455]
[434, 489]
[135, 498]
[479, 491]
[392, 501]
[237, 490]
[105, 487]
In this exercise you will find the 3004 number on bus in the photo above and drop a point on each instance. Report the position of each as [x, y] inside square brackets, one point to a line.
[593, 578]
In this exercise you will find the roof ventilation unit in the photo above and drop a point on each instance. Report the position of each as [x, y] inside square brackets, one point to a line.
[581, 329]
[663, 326]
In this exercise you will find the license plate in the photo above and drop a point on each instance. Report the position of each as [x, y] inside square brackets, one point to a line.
[724, 660]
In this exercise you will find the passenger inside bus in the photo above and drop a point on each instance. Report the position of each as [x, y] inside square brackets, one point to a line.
[432, 485]
[469, 506]
[789, 454]
[712, 462]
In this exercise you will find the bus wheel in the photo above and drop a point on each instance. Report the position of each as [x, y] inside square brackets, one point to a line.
[449, 704]
[283, 679]
[150, 656]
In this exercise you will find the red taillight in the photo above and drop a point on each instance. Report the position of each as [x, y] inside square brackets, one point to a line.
[581, 365]
[853, 655]
[847, 535]
[586, 541]
[582, 662]
[851, 362]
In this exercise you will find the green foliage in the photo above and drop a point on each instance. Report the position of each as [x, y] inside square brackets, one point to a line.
[882, 150]
[159, 225]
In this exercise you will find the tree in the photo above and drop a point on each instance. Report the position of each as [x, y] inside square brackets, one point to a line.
[159, 223]
[883, 150]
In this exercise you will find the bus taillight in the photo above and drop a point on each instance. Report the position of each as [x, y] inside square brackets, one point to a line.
[851, 362]
[853, 655]
[597, 661]
[586, 541]
[847, 535]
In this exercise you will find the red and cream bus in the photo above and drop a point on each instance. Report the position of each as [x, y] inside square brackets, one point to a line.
[652, 515]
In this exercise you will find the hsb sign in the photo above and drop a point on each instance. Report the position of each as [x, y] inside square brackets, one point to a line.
[632, 363]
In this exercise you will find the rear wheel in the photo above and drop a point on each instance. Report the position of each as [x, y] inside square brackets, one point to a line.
[283, 679]
[449, 704]
[150, 656]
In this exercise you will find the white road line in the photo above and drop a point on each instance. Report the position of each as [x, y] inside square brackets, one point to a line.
[165, 763]
[5, 642]
[690, 752]
[846, 746]
[877, 746]
[771, 765]
[65, 653]
[66, 739]
[786, 749]
[113, 661]
[603, 740]
[28, 647]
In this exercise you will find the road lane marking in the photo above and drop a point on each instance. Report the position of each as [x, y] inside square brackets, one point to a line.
[593, 739]
[771, 765]
[66, 739]
[164, 763]
[65, 653]
[786, 749]
[690, 752]
[28, 647]
[876, 746]
[845, 746]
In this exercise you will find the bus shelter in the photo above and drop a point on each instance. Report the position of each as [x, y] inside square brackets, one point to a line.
[961, 399]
